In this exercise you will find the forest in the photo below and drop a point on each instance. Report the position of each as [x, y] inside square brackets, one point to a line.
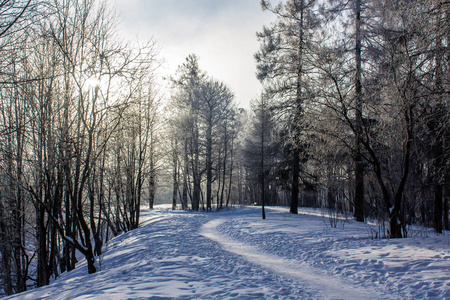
[353, 118]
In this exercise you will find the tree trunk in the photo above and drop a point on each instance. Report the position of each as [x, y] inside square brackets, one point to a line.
[152, 188]
[447, 129]
[230, 179]
[175, 179]
[196, 176]
[295, 182]
[359, 163]
[438, 207]
[438, 119]
[209, 162]
[184, 198]
[5, 248]
[263, 184]
[297, 118]
[446, 200]
[41, 236]
[219, 177]
[263, 196]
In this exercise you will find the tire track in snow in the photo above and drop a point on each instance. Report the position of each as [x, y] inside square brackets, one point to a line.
[327, 286]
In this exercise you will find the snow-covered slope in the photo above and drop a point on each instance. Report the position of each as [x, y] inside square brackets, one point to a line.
[237, 255]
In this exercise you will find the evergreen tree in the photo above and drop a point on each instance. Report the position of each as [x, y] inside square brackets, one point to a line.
[283, 64]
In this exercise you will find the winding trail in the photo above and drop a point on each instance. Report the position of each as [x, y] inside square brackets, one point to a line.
[316, 281]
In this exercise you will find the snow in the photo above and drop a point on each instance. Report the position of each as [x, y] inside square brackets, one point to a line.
[235, 254]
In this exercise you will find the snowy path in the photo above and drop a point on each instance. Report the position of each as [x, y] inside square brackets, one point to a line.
[236, 255]
[315, 280]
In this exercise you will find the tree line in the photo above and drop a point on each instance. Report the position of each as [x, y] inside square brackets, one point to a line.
[353, 117]
[78, 132]
[358, 93]
[203, 122]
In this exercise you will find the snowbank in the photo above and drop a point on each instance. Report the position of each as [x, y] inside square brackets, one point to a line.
[236, 255]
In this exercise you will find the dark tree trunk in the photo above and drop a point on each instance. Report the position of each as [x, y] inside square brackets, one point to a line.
[209, 163]
[42, 245]
[295, 182]
[359, 163]
[263, 183]
[297, 118]
[231, 175]
[184, 195]
[446, 200]
[175, 182]
[436, 126]
[196, 176]
[438, 207]
[5, 248]
[438, 155]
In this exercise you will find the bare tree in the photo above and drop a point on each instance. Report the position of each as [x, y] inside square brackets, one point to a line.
[203, 111]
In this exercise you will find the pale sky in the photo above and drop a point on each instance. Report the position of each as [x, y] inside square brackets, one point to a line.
[221, 32]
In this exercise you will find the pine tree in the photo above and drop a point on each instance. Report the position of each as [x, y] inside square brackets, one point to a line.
[283, 67]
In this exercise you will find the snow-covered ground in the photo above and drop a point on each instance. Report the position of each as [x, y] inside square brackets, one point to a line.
[236, 255]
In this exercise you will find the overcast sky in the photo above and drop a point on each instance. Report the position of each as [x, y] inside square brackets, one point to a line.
[221, 32]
